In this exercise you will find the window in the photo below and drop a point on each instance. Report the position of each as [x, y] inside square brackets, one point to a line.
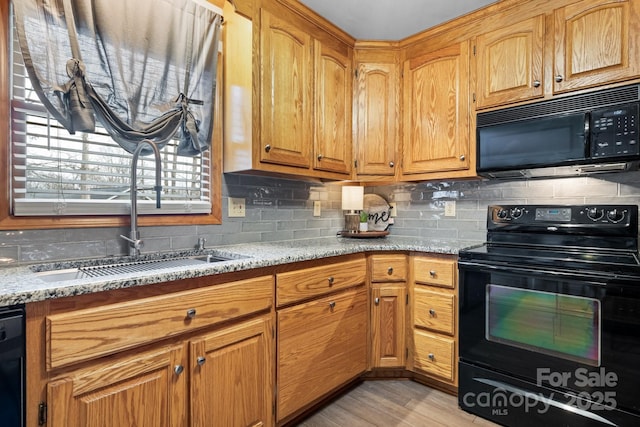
[56, 174]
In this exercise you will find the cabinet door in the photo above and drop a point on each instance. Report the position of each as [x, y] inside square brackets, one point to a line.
[231, 377]
[436, 111]
[322, 345]
[510, 63]
[286, 93]
[377, 111]
[388, 326]
[596, 41]
[332, 142]
[147, 390]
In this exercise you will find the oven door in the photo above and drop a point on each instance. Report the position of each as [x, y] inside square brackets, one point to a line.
[567, 332]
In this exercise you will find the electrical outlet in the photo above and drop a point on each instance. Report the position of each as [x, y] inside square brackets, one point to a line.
[317, 208]
[450, 208]
[236, 207]
[394, 209]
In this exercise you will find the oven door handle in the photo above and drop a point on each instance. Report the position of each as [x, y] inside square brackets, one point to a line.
[539, 271]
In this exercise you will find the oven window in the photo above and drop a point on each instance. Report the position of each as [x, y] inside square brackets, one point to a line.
[558, 325]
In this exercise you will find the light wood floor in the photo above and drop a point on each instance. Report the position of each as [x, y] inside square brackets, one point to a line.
[392, 403]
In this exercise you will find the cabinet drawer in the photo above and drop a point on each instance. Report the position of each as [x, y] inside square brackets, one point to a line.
[435, 271]
[307, 283]
[434, 354]
[434, 310]
[86, 334]
[388, 268]
[322, 344]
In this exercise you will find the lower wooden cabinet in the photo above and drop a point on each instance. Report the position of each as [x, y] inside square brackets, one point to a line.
[322, 344]
[387, 326]
[146, 390]
[231, 376]
[434, 330]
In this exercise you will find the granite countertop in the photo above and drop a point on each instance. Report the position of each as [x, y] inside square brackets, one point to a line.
[21, 284]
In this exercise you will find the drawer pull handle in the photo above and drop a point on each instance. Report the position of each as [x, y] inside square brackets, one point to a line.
[431, 357]
[178, 369]
[200, 360]
[390, 270]
[191, 313]
[432, 312]
[432, 273]
[332, 305]
[377, 301]
[331, 279]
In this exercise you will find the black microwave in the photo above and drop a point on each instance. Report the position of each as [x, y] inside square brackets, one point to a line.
[581, 134]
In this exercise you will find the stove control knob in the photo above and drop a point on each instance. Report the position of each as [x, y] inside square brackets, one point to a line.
[595, 214]
[615, 215]
[516, 212]
[502, 213]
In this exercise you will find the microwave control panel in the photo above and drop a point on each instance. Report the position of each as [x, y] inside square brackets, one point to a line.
[614, 131]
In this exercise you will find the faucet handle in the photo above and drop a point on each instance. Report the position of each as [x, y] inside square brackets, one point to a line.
[201, 243]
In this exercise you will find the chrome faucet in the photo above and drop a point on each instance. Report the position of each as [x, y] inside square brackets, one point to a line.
[135, 243]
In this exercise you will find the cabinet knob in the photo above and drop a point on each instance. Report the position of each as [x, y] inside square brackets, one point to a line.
[391, 164]
[319, 156]
[201, 360]
[377, 301]
[390, 270]
[559, 78]
[332, 305]
[462, 157]
[191, 313]
[330, 280]
[431, 357]
[178, 369]
[432, 312]
[267, 148]
[432, 273]
[536, 83]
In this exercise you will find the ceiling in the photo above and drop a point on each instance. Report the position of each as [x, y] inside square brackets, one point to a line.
[390, 19]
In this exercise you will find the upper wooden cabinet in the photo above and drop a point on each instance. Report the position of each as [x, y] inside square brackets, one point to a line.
[510, 63]
[596, 42]
[288, 95]
[436, 113]
[377, 112]
[286, 92]
[588, 43]
[332, 141]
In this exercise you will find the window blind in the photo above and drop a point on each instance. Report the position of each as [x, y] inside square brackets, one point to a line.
[56, 173]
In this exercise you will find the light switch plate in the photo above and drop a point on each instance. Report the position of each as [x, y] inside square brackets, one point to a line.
[450, 208]
[317, 208]
[236, 207]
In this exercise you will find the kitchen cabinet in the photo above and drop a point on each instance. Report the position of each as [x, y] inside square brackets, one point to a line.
[433, 303]
[510, 63]
[590, 42]
[388, 275]
[595, 42]
[322, 325]
[141, 390]
[377, 113]
[288, 95]
[197, 357]
[231, 376]
[436, 114]
[332, 139]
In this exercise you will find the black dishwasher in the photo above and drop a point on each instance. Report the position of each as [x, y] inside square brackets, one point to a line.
[12, 361]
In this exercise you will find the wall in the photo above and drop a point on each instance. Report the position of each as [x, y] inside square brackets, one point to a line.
[282, 209]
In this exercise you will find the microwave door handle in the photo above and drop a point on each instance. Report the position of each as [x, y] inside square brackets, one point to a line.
[587, 135]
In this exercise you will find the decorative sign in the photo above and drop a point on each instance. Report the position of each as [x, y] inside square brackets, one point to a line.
[379, 212]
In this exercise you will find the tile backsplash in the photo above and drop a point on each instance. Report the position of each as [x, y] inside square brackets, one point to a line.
[282, 209]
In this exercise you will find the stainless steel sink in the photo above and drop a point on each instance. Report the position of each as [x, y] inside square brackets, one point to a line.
[96, 271]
